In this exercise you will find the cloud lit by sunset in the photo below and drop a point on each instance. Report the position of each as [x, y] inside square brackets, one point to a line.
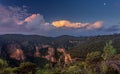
[68, 24]
[59, 18]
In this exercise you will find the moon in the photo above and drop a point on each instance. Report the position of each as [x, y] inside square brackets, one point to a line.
[104, 4]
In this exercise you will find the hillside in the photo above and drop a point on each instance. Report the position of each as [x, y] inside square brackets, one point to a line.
[77, 46]
[21, 52]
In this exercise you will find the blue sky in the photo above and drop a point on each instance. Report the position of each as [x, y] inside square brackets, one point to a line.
[60, 17]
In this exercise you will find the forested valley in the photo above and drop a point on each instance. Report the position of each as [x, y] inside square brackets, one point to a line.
[33, 54]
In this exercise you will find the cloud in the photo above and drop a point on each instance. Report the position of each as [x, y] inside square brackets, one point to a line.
[11, 14]
[95, 25]
[31, 18]
[17, 20]
[68, 24]
[36, 22]
[113, 28]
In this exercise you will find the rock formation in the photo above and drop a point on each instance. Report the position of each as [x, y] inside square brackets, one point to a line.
[65, 57]
[50, 56]
[37, 52]
[17, 54]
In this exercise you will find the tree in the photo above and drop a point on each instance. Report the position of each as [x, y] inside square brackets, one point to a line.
[93, 57]
[91, 64]
[108, 51]
[3, 65]
[109, 65]
[8, 71]
[26, 68]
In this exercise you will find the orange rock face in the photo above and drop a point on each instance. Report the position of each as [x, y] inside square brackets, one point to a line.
[50, 56]
[67, 58]
[37, 53]
[17, 54]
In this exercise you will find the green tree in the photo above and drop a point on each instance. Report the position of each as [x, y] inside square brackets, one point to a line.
[72, 70]
[109, 65]
[93, 57]
[3, 65]
[8, 71]
[26, 68]
[40, 71]
[108, 51]
[91, 62]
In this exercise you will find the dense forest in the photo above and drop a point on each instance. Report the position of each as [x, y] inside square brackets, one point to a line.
[33, 54]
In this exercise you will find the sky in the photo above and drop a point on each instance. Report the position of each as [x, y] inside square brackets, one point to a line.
[60, 17]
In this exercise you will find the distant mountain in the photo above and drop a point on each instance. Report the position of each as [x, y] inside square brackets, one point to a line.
[60, 41]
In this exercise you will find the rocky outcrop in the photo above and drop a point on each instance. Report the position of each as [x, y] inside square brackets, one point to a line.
[37, 52]
[65, 56]
[67, 59]
[17, 54]
[50, 56]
